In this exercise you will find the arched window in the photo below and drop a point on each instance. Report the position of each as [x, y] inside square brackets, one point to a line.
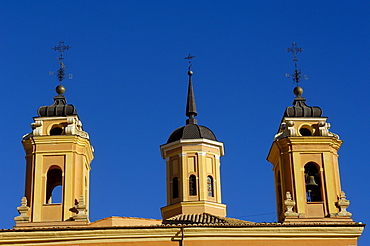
[192, 185]
[210, 186]
[175, 187]
[54, 189]
[313, 184]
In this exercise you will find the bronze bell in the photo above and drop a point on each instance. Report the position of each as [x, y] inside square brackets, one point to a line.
[311, 181]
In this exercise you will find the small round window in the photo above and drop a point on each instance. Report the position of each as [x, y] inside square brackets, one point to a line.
[56, 131]
[305, 131]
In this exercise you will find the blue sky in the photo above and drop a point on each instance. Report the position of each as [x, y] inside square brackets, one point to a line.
[130, 81]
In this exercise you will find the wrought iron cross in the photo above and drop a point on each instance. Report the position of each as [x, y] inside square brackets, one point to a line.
[189, 57]
[61, 71]
[297, 72]
[294, 49]
[61, 48]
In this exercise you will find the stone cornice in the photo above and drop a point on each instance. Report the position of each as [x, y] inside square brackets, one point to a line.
[193, 142]
[139, 234]
[83, 143]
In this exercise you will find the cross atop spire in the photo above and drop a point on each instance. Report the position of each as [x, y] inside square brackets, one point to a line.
[191, 109]
[189, 57]
[297, 72]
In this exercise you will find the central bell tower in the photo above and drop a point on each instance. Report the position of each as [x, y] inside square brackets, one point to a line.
[192, 155]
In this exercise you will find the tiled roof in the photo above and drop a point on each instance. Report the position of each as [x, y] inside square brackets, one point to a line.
[191, 131]
[204, 218]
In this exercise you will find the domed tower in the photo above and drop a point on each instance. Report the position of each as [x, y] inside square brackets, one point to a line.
[192, 155]
[304, 155]
[58, 157]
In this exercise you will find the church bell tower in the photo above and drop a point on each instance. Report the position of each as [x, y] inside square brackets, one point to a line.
[58, 157]
[304, 155]
[192, 155]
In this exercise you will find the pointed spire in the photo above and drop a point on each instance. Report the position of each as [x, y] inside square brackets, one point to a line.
[191, 108]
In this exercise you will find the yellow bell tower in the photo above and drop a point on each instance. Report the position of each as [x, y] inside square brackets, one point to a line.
[58, 157]
[304, 155]
[192, 155]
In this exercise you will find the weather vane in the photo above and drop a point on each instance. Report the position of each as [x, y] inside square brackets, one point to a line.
[189, 57]
[297, 72]
[61, 71]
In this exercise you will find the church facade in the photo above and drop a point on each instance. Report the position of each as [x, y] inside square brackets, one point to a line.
[311, 206]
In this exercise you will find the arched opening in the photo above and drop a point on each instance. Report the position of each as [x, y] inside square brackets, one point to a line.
[56, 194]
[305, 132]
[56, 131]
[313, 184]
[192, 185]
[54, 188]
[175, 187]
[210, 186]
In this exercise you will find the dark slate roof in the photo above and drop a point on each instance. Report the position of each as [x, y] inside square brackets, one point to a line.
[203, 218]
[300, 109]
[59, 108]
[191, 131]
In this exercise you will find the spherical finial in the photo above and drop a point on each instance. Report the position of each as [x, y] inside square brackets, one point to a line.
[298, 91]
[190, 72]
[60, 89]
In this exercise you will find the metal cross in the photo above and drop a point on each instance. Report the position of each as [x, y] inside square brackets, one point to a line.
[189, 57]
[297, 72]
[61, 48]
[294, 49]
[61, 71]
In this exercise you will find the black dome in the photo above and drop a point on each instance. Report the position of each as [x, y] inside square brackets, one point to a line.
[191, 131]
[300, 109]
[59, 108]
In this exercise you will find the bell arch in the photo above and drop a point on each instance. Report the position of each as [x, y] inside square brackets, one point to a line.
[312, 182]
[54, 179]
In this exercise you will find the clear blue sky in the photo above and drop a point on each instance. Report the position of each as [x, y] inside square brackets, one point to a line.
[130, 84]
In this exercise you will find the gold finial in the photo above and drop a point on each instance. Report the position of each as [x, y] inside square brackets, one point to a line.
[298, 91]
[60, 89]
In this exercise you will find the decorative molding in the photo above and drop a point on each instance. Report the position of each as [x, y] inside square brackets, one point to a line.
[74, 127]
[287, 128]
